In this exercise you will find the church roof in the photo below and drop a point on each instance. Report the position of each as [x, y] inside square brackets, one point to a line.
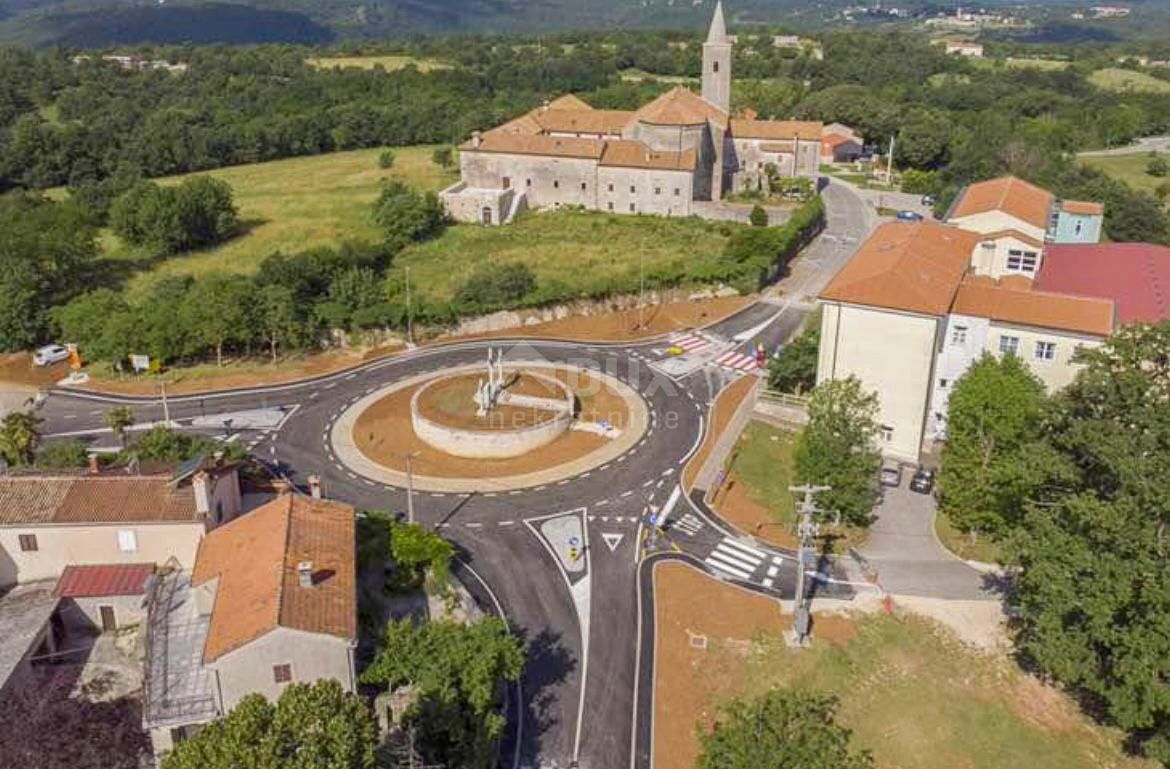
[635, 154]
[594, 121]
[680, 106]
[775, 129]
[553, 146]
[718, 31]
[569, 101]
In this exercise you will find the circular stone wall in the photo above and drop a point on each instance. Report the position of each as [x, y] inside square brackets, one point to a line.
[526, 425]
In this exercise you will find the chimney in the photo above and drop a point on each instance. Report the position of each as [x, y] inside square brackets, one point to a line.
[201, 483]
[315, 486]
[93, 464]
[305, 573]
[476, 138]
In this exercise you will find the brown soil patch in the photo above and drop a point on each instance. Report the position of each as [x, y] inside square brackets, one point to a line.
[629, 325]
[383, 433]
[726, 404]
[1044, 705]
[18, 369]
[736, 506]
[702, 655]
[451, 402]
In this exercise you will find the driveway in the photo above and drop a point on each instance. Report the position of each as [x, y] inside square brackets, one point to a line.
[907, 556]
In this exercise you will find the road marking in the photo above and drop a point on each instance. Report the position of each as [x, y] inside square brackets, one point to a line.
[314, 394]
[668, 471]
[733, 571]
[777, 560]
[584, 475]
[602, 502]
[773, 571]
[330, 386]
[474, 525]
[751, 551]
[767, 582]
[729, 556]
[612, 540]
[505, 523]
[647, 483]
[689, 524]
[627, 493]
[660, 482]
[351, 376]
[492, 494]
[514, 492]
[562, 483]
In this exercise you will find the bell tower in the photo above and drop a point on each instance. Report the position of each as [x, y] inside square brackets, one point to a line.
[717, 62]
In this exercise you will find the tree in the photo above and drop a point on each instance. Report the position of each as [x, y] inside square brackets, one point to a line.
[277, 313]
[493, 287]
[758, 216]
[216, 312]
[1093, 593]
[119, 419]
[163, 444]
[92, 322]
[443, 157]
[837, 449]
[198, 212]
[19, 436]
[794, 368]
[994, 419]
[311, 726]
[458, 670]
[416, 550]
[386, 159]
[408, 216]
[63, 454]
[206, 211]
[1158, 166]
[785, 729]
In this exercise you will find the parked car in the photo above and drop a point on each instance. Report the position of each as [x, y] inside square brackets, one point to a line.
[909, 216]
[50, 354]
[923, 481]
[891, 475]
[928, 201]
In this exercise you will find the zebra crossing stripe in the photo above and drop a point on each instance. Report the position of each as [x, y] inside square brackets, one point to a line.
[733, 570]
[758, 555]
[737, 361]
[730, 556]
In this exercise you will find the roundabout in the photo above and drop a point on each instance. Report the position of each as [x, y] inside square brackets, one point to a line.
[548, 422]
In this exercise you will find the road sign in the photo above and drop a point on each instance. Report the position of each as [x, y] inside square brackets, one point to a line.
[140, 363]
[612, 540]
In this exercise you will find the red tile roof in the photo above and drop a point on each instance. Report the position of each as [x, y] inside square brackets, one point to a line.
[1136, 276]
[1015, 301]
[1013, 196]
[1082, 208]
[95, 499]
[104, 580]
[255, 559]
[776, 129]
[680, 106]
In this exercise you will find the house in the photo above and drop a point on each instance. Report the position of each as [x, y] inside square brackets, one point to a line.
[1011, 204]
[840, 144]
[678, 149]
[50, 521]
[104, 596]
[26, 613]
[271, 600]
[917, 304]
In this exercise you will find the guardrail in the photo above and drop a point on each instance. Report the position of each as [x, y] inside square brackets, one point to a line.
[783, 399]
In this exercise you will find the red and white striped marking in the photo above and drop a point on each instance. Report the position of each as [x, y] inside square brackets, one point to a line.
[690, 343]
[737, 361]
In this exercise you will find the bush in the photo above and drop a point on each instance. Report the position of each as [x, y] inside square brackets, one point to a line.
[754, 255]
[758, 217]
[408, 216]
[794, 369]
[386, 159]
[493, 287]
[920, 182]
[197, 213]
[63, 454]
[1158, 166]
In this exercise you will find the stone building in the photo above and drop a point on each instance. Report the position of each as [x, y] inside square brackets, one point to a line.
[680, 148]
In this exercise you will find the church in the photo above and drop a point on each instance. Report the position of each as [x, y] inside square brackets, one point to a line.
[679, 150]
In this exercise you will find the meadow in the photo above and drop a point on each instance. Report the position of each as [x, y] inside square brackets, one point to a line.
[1122, 80]
[389, 62]
[1130, 169]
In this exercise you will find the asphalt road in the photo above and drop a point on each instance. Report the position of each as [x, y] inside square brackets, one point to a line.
[577, 704]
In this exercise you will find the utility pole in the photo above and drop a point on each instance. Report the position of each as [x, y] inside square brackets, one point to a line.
[166, 408]
[410, 485]
[641, 290]
[409, 311]
[807, 531]
[890, 162]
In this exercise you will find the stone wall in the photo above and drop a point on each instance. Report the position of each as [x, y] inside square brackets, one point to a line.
[546, 181]
[643, 191]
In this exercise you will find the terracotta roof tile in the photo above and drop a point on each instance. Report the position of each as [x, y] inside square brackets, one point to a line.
[1013, 303]
[95, 499]
[633, 154]
[1082, 207]
[1013, 196]
[255, 559]
[680, 106]
[1136, 276]
[1009, 233]
[902, 266]
[583, 121]
[569, 101]
[776, 129]
[554, 146]
[104, 580]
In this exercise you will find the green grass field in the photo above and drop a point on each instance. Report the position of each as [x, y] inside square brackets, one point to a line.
[762, 461]
[390, 63]
[1130, 169]
[581, 249]
[294, 204]
[1117, 79]
[919, 700]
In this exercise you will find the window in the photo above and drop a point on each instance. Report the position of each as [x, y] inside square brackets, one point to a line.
[1045, 350]
[632, 208]
[633, 190]
[942, 384]
[127, 541]
[677, 192]
[959, 335]
[886, 433]
[28, 543]
[1009, 345]
[610, 204]
[527, 182]
[657, 190]
[556, 184]
[611, 188]
[582, 186]
[1021, 261]
[1077, 227]
[282, 674]
[714, 66]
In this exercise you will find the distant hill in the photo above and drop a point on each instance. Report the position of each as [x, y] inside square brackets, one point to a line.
[97, 23]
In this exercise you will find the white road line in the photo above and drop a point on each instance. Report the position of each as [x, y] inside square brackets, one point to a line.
[735, 572]
[602, 502]
[474, 525]
[760, 555]
[773, 571]
[627, 493]
[767, 582]
[505, 523]
[492, 494]
[731, 557]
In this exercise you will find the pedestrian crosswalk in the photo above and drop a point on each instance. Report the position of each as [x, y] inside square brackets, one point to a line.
[688, 343]
[737, 361]
[688, 525]
[736, 559]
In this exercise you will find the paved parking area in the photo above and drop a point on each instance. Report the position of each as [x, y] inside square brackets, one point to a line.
[906, 553]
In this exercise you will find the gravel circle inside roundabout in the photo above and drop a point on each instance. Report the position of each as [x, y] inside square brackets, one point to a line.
[374, 435]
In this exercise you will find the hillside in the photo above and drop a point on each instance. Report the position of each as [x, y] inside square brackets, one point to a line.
[98, 23]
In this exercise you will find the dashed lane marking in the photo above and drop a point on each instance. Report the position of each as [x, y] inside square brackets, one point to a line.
[474, 525]
[505, 523]
[627, 493]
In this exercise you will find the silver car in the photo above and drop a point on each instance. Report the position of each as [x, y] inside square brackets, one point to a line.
[50, 354]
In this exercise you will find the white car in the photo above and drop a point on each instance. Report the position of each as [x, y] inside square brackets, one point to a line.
[50, 354]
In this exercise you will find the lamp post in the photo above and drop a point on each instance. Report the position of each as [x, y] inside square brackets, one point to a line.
[807, 530]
